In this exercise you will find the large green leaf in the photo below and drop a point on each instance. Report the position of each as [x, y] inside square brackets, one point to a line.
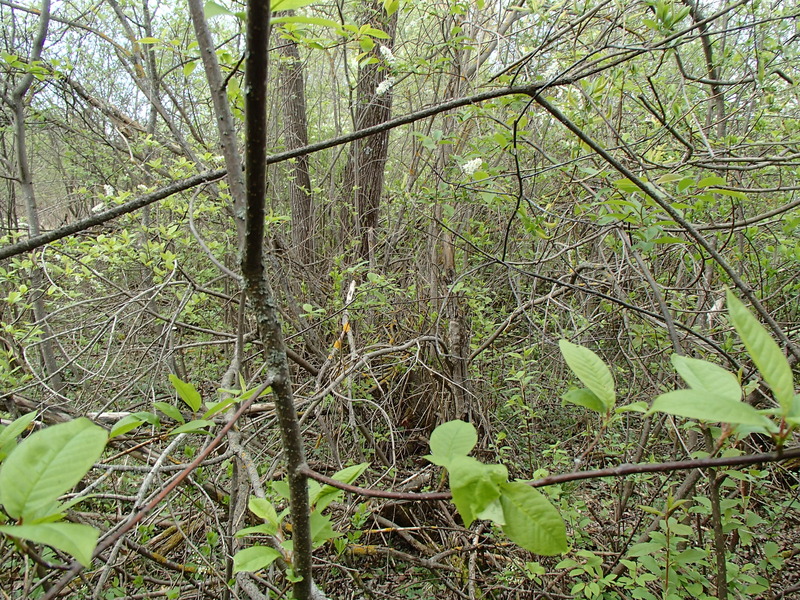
[531, 521]
[265, 528]
[187, 392]
[132, 421]
[696, 404]
[263, 509]
[47, 464]
[289, 4]
[8, 434]
[452, 439]
[212, 9]
[591, 370]
[704, 376]
[327, 493]
[75, 539]
[586, 398]
[766, 354]
[475, 486]
[171, 411]
[254, 558]
[321, 528]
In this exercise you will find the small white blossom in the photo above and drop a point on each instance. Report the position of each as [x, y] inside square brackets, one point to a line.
[98, 208]
[470, 167]
[141, 187]
[109, 190]
[387, 55]
[384, 86]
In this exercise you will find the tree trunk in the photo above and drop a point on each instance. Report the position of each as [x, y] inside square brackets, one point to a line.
[294, 109]
[364, 173]
[17, 105]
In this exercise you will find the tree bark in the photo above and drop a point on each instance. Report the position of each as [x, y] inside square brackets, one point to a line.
[364, 175]
[296, 127]
[262, 297]
[16, 103]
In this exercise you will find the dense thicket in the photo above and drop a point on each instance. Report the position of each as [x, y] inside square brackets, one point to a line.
[593, 171]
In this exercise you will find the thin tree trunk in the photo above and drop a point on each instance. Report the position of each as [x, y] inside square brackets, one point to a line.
[364, 175]
[17, 105]
[222, 110]
[294, 109]
[262, 298]
[716, 112]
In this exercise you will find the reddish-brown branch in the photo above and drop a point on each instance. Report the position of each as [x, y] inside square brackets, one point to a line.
[618, 471]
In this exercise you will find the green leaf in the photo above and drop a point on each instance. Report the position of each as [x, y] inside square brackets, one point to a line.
[695, 404]
[148, 40]
[264, 528]
[328, 493]
[77, 540]
[292, 577]
[314, 488]
[306, 21]
[321, 529]
[391, 6]
[47, 464]
[289, 4]
[669, 178]
[189, 68]
[493, 512]
[196, 426]
[690, 556]
[254, 558]
[218, 407]
[794, 411]
[640, 407]
[531, 521]
[731, 193]
[591, 370]
[586, 398]
[9, 433]
[281, 488]
[132, 421]
[366, 43]
[644, 549]
[766, 354]
[62, 508]
[376, 33]
[124, 425]
[263, 509]
[171, 411]
[212, 9]
[187, 392]
[704, 376]
[626, 185]
[452, 439]
[709, 181]
[474, 485]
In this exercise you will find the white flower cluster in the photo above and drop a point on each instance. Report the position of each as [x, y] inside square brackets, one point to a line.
[109, 190]
[384, 86]
[470, 167]
[387, 55]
